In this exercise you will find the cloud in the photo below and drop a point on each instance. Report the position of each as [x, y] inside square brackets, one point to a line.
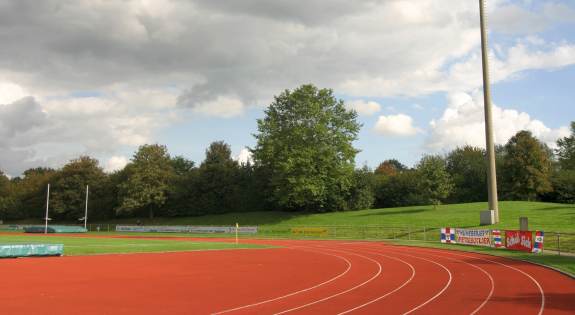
[10, 92]
[115, 163]
[223, 107]
[513, 18]
[54, 130]
[106, 75]
[249, 52]
[362, 107]
[244, 157]
[396, 125]
[462, 123]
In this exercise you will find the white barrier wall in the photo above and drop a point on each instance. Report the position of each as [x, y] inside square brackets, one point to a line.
[187, 229]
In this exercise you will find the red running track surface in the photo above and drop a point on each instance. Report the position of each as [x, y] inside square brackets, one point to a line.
[303, 277]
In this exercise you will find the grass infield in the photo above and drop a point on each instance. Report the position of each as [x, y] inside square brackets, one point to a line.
[91, 246]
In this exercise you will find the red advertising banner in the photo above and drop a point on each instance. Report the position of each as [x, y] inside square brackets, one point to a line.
[519, 240]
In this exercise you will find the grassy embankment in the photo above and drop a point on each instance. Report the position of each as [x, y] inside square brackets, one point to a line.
[542, 216]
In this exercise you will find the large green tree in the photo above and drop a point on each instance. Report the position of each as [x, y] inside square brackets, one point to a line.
[399, 190]
[390, 168]
[148, 176]
[305, 144]
[526, 167]
[7, 199]
[30, 191]
[434, 182]
[68, 194]
[563, 177]
[566, 150]
[218, 185]
[467, 168]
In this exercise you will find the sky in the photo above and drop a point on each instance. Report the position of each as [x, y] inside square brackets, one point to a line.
[100, 78]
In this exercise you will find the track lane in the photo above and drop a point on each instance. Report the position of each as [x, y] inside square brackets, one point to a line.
[209, 281]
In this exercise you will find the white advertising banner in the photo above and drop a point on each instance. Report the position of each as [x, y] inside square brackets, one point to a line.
[187, 229]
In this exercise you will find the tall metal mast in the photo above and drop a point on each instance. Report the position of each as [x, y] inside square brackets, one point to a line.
[491, 174]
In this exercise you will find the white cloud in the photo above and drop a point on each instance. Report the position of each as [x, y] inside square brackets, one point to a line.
[362, 107]
[10, 92]
[462, 123]
[396, 125]
[52, 131]
[223, 107]
[145, 60]
[115, 163]
[244, 156]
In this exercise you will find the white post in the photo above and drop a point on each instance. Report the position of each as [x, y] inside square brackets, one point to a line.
[86, 212]
[237, 228]
[47, 205]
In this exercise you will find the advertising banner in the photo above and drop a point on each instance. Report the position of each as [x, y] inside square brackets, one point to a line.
[538, 245]
[448, 235]
[473, 237]
[497, 243]
[519, 240]
[187, 229]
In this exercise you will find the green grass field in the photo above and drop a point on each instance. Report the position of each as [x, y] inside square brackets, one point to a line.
[544, 216]
[92, 246]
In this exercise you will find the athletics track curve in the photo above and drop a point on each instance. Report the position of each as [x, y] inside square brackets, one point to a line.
[301, 277]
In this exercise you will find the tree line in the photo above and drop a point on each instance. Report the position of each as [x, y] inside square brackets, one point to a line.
[304, 160]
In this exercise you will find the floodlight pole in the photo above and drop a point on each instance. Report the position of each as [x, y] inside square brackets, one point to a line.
[86, 212]
[491, 173]
[47, 205]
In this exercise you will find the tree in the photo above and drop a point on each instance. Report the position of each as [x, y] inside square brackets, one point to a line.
[468, 170]
[30, 192]
[362, 194]
[148, 176]
[566, 150]
[181, 194]
[217, 184]
[526, 167]
[399, 190]
[7, 199]
[434, 182]
[69, 189]
[305, 145]
[390, 168]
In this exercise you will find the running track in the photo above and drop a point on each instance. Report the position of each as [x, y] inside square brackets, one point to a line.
[302, 277]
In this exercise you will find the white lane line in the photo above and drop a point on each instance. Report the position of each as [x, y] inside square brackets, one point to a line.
[505, 265]
[482, 270]
[389, 293]
[296, 292]
[342, 292]
[436, 295]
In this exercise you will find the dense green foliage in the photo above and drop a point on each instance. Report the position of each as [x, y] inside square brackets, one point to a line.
[434, 182]
[526, 167]
[566, 150]
[468, 171]
[305, 144]
[304, 161]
